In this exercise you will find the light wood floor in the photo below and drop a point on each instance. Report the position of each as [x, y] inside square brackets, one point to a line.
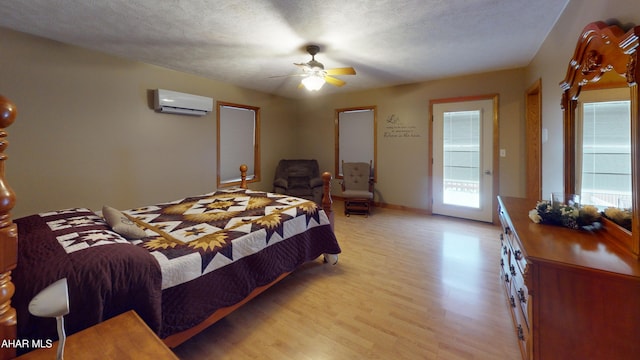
[407, 286]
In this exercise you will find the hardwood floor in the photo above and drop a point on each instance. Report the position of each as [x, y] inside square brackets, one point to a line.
[407, 286]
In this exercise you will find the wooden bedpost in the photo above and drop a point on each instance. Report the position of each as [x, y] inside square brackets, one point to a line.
[243, 176]
[326, 196]
[8, 238]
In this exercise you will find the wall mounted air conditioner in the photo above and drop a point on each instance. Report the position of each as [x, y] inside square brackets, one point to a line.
[174, 102]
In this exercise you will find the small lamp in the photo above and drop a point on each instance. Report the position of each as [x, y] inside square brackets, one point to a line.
[53, 301]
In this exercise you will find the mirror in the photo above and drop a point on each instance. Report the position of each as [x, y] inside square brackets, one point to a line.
[605, 57]
[603, 148]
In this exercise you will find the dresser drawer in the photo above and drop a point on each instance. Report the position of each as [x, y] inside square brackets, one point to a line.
[513, 267]
[509, 237]
[521, 326]
[521, 297]
[505, 258]
[518, 254]
[519, 315]
[519, 289]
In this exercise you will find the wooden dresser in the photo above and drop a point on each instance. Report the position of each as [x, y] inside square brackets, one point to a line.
[573, 294]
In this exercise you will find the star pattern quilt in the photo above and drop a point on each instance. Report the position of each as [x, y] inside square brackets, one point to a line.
[199, 254]
[196, 235]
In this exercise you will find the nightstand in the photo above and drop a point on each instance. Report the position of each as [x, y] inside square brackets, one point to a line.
[125, 336]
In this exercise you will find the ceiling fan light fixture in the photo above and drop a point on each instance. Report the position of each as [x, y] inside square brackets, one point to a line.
[313, 82]
[314, 75]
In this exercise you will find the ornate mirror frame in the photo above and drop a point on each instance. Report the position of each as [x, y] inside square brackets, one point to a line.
[601, 49]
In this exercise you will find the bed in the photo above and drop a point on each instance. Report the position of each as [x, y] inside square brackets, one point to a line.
[181, 265]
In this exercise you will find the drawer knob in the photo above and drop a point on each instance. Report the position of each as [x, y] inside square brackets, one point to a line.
[523, 299]
[518, 254]
[520, 332]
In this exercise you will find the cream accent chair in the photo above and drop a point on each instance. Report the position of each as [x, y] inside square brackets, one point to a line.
[357, 187]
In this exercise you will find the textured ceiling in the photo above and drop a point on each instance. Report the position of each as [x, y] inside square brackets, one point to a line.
[388, 42]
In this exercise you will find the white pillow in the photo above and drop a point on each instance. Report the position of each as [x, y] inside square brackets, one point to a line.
[121, 224]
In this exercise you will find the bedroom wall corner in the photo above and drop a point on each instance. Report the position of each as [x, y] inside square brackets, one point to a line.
[402, 162]
[86, 134]
[550, 64]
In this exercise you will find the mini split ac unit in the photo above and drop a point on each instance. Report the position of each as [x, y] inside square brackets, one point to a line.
[173, 102]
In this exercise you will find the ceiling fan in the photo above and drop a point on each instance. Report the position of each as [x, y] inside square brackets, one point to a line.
[315, 75]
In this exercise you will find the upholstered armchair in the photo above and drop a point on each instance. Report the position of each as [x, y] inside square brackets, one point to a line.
[357, 187]
[300, 178]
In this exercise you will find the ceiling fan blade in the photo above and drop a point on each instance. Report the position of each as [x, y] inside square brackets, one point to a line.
[281, 76]
[341, 71]
[334, 81]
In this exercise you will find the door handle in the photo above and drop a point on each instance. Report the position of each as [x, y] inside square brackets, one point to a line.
[487, 172]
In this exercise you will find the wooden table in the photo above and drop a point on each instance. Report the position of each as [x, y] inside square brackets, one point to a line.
[125, 336]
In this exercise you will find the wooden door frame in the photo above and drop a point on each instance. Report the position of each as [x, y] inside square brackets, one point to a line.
[533, 140]
[495, 184]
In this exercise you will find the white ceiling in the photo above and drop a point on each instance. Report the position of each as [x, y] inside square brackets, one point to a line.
[388, 42]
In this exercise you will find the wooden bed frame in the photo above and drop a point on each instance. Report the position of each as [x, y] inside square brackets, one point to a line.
[9, 248]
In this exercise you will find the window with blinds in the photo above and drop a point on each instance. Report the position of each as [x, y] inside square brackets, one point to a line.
[238, 143]
[606, 153]
[355, 136]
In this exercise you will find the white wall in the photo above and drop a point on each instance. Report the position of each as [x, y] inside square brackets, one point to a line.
[86, 133]
[403, 163]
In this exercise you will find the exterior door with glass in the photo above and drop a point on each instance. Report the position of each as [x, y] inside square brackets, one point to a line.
[462, 152]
